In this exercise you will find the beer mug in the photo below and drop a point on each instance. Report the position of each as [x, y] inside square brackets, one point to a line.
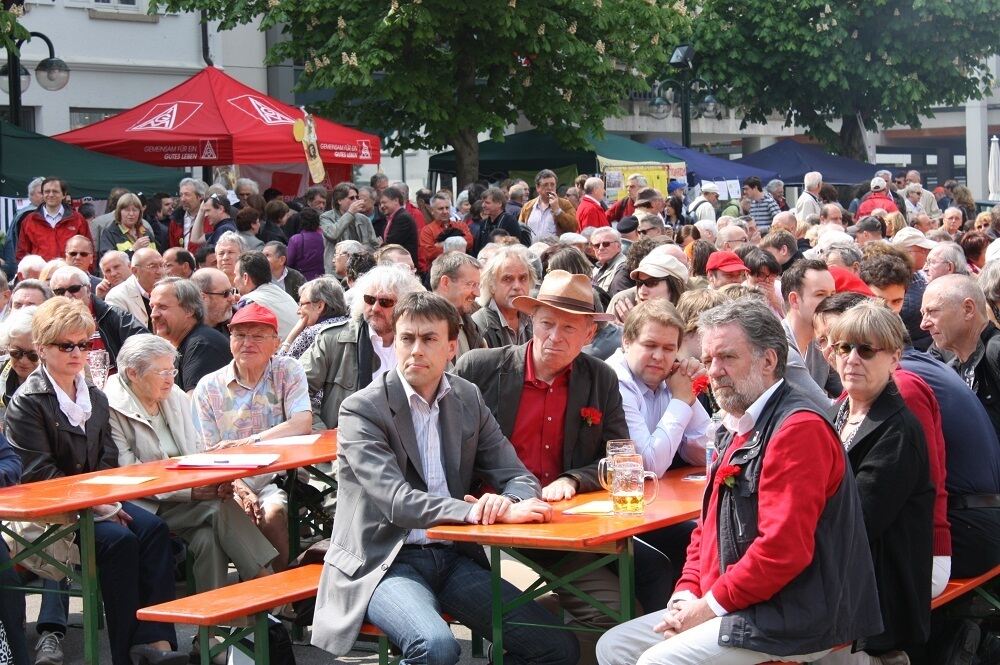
[605, 466]
[628, 485]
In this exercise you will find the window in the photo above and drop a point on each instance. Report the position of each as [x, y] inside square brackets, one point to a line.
[82, 117]
[130, 4]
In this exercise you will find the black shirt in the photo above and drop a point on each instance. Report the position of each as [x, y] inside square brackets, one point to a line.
[203, 351]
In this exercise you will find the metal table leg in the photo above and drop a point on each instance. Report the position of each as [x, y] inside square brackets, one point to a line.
[90, 591]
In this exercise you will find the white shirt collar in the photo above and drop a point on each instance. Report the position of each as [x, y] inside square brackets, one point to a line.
[77, 409]
[746, 422]
[443, 388]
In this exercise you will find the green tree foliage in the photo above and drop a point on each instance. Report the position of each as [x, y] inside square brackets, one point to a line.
[875, 62]
[10, 29]
[432, 73]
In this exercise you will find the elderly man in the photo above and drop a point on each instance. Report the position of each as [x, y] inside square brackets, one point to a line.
[256, 397]
[80, 254]
[703, 206]
[116, 268]
[455, 277]
[245, 188]
[508, 274]
[923, 223]
[845, 255]
[547, 214]
[179, 317]
[218, 296]
[400, 438]
[192, 192]
[832, 213]
[228, 250]
[179, 262]
[132, 295]
[951, 220]
[7, 253]
[725, 267]
[625, 207]
[945, 259]
[537, 392]
[784, 221]
[650, 225]
[114, 325]
[809, 203]
[29, 292]
[709, 230]
[590, 212]
[803, 287]
[254, 282]
[348, 355]
[731, 237]
[782, 522]
[289, 279]
[927, 199]
[607, 245]
[432, 236]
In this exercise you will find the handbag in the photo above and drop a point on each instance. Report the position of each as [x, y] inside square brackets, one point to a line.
[63, 550]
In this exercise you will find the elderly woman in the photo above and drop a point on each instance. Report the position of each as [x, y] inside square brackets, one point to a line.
[21, 359]
[346, 221]
[130, 231]
[59, 424]
[151, 420]
[888, 453]
[321, 302]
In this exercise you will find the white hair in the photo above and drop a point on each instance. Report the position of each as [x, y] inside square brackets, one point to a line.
[35, 184]
[638, 179]
[200, 186]
[70, 271]
[232, 237]
[113, 254]
[30, 262]
[454, 244]
[139, 351]
[396, 279]
[707, 226]
[18, 322]
[606, 231]
[591, 184]
[812, 180]
[572, 239]
[348, 247]
[247, 182]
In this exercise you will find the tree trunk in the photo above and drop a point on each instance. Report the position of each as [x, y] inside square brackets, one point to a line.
[852, 138]
[466, 144]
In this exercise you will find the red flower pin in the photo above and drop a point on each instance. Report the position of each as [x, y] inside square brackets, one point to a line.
[699, 385]
[591, 416]
[727, 475]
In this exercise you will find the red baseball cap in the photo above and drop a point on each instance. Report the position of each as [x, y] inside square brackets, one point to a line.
[846, 281]
[254, 313]
[726, 262]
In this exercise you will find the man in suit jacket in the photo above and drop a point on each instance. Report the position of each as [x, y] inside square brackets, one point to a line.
[396, 226]
[409, 446]
[132, 295]
[548, 215]
[559, 407]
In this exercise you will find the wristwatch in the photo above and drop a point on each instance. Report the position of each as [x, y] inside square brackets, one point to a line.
[513, 498]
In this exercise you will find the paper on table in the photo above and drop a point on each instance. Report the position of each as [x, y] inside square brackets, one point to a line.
[304, 440]
[591, 508]
[234, 461]
[117, 480]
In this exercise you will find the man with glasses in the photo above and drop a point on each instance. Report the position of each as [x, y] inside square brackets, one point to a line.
[179, 317]
[455, 276]
[349, 355]
[132, 295]
[607, 246]
[256, 397]
[254, 282]
[218, 296]
[47, 230]
[651, 226]
[80, 254]
[113, 325]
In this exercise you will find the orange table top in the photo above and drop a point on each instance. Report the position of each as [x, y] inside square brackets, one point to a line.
[34, 501]
[679, 500]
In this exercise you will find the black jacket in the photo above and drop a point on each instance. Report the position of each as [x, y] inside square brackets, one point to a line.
[48, 445]
[987, 372]
[889, 458]
[402, 231]
[115, 325]
[487, 226]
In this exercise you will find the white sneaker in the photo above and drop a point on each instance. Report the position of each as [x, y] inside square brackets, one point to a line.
[49, 651]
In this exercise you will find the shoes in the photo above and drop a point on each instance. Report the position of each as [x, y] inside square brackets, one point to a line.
[894, 658]
[144, 654]
[964, 644]
[195, 656]
[49, 651]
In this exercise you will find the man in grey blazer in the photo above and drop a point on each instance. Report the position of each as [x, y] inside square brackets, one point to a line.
[410, 445]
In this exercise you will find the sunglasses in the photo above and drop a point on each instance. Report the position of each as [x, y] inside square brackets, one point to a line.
[602, 245]
[75, 254]
[17, 354]
[231, 292]
[643, 232]
[865, 351]
[384, 303]
[67, 347]
[650, 282]
[69, 289]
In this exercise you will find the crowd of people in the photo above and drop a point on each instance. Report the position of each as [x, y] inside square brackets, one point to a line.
[476, 353]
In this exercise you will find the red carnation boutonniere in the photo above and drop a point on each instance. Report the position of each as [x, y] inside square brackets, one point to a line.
[727, 475]
[699, 385]
[591, 416]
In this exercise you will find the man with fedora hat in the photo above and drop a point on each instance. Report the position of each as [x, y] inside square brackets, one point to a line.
[559, 407]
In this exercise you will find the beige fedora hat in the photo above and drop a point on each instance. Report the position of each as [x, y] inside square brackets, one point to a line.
[573, 294]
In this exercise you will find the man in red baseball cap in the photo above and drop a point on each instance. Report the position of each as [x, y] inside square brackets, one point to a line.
[725, 268]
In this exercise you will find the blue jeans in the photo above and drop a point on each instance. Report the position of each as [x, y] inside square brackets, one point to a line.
[422, 583]
[53, 614]
[12, 610]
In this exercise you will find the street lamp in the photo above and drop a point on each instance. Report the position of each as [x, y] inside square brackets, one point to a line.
[51, 73]
[682, 60]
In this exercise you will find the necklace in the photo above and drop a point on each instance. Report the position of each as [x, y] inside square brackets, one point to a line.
[846, 425]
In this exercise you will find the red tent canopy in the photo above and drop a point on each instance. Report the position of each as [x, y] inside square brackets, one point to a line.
[214, 120]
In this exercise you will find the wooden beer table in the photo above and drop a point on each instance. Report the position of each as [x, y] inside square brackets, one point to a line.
[678, 500]
[70, 501]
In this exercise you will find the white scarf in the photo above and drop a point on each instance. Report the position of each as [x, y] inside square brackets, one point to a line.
[76, 411]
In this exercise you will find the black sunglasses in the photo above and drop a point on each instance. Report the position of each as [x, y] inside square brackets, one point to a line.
[75, 254]
[231, 292]
[69, 289]
[865, 351]
[643, 232]
[602, 245]
[67, 347]
[384, 303]
[650, 282]
[17, 354]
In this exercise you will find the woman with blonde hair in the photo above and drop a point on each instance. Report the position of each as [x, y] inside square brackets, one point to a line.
[130, 231]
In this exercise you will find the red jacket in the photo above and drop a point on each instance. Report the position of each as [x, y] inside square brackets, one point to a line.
[418, 216]
[876, 200]
[590, 213]
[37, 237]
[620, 209]
[428, 249]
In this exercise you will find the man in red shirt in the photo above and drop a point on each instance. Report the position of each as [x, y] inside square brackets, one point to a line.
[432, 235]
[778, 566]
[590, 212]
[46, 231]
[626, 206]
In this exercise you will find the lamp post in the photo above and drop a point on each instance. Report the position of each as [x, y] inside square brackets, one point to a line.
[682, 60]
[51, 73]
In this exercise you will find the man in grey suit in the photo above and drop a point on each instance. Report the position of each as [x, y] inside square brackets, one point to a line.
[410, 445]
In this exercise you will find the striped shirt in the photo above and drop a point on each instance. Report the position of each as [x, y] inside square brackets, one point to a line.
[763, 210]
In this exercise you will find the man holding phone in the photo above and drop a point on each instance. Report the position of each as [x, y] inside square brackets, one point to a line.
[548, 215]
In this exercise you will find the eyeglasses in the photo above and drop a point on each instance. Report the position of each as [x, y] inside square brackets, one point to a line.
[67, 347]
[384, 303]
[602, 245]
[307, 302]
[225, 294]
[166, 373]
[650, 282]
[74, 289]
[154, 266]
[865, 351]
[17, 354]
[256, 339]
[643, 232]
[75, 254]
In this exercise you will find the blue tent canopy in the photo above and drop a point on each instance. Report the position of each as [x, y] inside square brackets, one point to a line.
[792, 160]
[707, 167]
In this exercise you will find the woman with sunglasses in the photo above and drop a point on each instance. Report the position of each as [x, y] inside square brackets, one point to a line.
[59, 424]
[888, 453]
[21, 359]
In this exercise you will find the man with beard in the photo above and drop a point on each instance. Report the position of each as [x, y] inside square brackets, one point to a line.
[349, 355]
[781, 525]
[509, 273]
[456, 277]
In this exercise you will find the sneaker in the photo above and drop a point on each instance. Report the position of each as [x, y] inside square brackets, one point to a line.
[49, 651]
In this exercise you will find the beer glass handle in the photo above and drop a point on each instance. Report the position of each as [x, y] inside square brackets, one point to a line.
[602, 473]
[649, 475]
